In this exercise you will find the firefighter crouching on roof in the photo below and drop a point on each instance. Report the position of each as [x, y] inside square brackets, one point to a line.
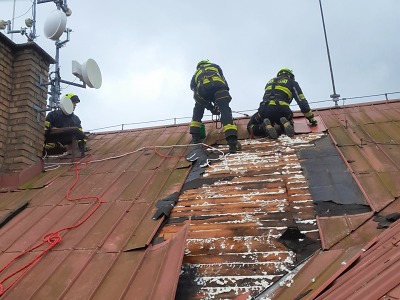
[274, 115]
[211, 91]
[58, 119]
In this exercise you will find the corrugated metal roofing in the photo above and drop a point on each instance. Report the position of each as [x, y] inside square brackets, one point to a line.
[367, 137]
[243, 221]
[375, 274]
[109, 256]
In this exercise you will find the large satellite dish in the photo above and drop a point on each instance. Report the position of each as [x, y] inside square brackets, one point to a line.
[89, 72]
[55, 25]
[66, 105]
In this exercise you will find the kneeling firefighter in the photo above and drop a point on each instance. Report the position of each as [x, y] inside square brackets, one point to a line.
[211, 91]
[274, 114]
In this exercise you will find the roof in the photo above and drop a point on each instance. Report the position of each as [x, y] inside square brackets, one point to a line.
[358, 251]
[110, 254]
[261, 222]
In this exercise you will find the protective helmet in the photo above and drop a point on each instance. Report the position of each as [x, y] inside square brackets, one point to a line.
[202, 62]
[74, 98]
[285, 71]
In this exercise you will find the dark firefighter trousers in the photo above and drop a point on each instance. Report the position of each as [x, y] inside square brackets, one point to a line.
[271, 110]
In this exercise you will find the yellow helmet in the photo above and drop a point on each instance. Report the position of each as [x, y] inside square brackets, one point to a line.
[73, 97]
[285, 71]
[202, 62]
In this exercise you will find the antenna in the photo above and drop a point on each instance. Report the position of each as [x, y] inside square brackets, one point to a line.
[29, 23]
[89, 72]
[66, 105]
[55, 25]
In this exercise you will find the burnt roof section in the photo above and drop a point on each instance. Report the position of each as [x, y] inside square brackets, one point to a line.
[252, 220]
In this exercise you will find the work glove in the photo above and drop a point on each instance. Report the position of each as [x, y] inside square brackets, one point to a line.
[312, 121]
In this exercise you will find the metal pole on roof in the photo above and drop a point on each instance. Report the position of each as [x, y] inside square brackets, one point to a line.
[334, 96]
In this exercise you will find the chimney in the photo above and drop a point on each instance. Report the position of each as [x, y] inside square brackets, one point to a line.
[21, 132]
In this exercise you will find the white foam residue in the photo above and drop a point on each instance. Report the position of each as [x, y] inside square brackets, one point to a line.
[309, 221]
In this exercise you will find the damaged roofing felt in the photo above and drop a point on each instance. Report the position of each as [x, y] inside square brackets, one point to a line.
[250, 223]
[331, 183]
[361, 256]
[98, 216]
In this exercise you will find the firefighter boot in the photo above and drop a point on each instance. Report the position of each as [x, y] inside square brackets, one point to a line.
[196, 139]
[288, 128]
[234, 145]
[269, 129]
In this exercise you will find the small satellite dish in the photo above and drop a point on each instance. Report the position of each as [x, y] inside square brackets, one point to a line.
[89, 72]
[55, 24]
[66, 105]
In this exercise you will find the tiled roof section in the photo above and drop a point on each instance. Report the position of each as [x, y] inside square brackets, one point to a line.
[250, 200]
[334, 229]
[108, 256]
[314, 275]
[367, 137]
[375, 273]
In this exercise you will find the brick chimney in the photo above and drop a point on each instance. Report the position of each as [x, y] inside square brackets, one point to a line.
[21, 132]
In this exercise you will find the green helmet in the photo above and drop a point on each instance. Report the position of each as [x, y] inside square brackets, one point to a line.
[202, 62]
[285, 71]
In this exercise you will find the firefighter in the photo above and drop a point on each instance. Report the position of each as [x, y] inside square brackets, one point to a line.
[211, 92]
[274, 115]
[58, 119]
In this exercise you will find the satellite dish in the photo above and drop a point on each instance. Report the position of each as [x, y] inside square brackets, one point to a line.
[55, 24]
[89, 72]
[66, 105]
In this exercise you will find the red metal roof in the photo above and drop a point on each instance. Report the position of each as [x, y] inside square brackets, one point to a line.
[238, 218]
[367, 136]
[109, 256]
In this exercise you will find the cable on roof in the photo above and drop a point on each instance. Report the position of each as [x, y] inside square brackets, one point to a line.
[53, 166]
[51, 239]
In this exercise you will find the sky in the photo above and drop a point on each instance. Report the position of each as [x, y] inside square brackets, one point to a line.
[148, 51]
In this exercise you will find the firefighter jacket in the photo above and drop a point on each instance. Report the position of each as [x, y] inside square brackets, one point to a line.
[206, 74]
[58, 119]
[282, 90]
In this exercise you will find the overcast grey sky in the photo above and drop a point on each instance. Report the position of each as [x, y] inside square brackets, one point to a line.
[147, 51]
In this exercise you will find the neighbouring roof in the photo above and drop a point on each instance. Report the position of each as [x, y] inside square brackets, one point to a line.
[293, 218]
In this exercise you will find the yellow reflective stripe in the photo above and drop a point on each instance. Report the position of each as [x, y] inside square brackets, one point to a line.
[230, 127]
[195, 124]
[283, 89]
[212, 69]
[214, 78]
[308, 114]
[198, 73]
[46, 124]
[49, 146]
[272, 102]
[301, 96]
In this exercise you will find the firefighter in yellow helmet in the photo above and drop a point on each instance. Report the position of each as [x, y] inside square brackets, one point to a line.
[59, 119]
[274, 114]
[211, 91]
